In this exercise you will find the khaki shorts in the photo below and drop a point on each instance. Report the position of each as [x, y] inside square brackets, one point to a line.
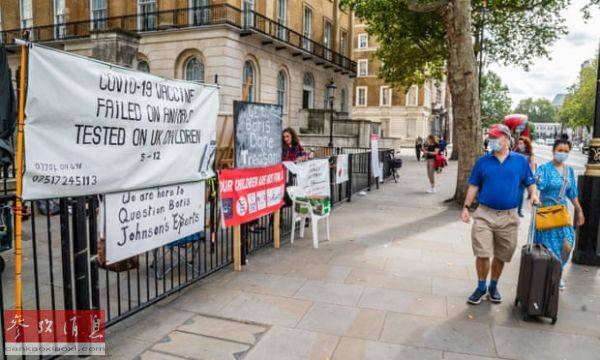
[495, 232]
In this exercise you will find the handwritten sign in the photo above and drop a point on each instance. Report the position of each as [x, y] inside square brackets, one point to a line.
[142, 220]
[312, 176]
[248, 194]
[341, 169]
[257, 135]
[376, 171]
[95, 128]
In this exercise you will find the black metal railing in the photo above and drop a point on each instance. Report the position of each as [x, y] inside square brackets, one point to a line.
[217, 14]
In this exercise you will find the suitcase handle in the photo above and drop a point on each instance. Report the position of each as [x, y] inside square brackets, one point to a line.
[531, 234]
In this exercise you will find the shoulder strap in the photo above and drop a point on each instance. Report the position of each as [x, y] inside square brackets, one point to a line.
[564, 184]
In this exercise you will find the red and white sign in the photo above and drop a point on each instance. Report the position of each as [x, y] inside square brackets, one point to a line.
[248, 194]
[54, 332]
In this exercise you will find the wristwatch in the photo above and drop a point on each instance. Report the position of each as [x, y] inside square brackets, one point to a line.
[468, 206]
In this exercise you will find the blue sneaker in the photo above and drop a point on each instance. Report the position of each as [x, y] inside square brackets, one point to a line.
[476, 296]
[494, 295]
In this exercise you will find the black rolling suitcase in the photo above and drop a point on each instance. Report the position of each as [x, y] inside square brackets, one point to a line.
[539, 279]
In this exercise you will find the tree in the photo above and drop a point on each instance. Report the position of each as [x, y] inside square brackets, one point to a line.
[420, 39]
[538, 110]
[495, 101]
[578, 108]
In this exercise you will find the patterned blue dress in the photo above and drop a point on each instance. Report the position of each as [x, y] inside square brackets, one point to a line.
[550, 181]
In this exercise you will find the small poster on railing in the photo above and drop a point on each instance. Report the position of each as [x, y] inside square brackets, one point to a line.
[248, 194]
[341, 169]
[142, 220]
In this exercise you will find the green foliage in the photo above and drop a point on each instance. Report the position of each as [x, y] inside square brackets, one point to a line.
[413, 45]
[495, 101]
[578, 108]
[538, 110]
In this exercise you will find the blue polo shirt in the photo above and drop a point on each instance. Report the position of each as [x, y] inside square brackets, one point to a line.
[501, 184]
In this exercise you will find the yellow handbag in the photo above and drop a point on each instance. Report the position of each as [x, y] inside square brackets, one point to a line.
[554, 216]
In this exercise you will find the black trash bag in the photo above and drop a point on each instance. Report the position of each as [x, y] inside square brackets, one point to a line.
[46, 207]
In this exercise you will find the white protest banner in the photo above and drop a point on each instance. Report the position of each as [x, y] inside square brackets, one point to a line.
[375, 170]
[95, 128]
[142, 220]
[341, 169]
[313, 177]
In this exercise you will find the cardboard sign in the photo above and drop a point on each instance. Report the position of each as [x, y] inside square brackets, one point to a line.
[94, 128]
[257, 135]
[142, 220]
[248, 194]
[312, 176]
[341, 169]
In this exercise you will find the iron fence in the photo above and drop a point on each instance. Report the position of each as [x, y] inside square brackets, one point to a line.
[62, 252]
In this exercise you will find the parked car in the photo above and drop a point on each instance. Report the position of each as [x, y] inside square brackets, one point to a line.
[550, 141]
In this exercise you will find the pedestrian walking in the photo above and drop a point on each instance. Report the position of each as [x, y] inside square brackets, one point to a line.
[496, 181]
[523, 147]
[418, 147]
[557, 183]
[430, 149]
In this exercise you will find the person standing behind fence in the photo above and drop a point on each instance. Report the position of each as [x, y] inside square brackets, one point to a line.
[430, 150]
[523, 147]
[418, 147]
[291, 149]
[496, 181]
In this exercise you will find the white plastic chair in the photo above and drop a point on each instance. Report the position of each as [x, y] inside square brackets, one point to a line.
[298, 195]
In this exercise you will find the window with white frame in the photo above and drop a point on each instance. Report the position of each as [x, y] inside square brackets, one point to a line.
[327, 39]
[361, 96]
[26, 13]
[363, 67]
[60, 29]
[412, 97]
[363, 41]
[385, 96]
[249, 82]
[147, 14]
[98, 13]
[282, 19]
[194, 70]
[307, 29]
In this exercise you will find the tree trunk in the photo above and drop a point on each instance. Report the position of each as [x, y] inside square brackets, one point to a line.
[454, 155]
[462, 73]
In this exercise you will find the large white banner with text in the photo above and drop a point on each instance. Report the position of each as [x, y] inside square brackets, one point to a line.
[142, 220]
[95, 128]
[312, 176]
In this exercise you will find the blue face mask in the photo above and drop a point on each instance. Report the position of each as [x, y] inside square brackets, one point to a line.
[561, 156]
[494, 144]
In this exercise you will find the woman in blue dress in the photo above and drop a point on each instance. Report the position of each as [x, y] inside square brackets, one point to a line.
[550, 177]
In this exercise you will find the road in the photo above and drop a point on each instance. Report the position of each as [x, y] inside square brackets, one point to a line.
[577, 160]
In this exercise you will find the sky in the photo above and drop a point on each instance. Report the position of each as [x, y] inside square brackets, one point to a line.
[548, 77]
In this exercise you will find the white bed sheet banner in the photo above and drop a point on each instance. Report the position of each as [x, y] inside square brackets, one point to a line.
[312, 176]
[341, 168]
[142, 220]
[95, 128]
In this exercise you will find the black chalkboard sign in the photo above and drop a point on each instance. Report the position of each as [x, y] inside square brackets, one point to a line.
[257, 134]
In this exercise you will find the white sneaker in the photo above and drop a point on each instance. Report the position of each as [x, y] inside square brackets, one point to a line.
[433, 190]
[562, 285]
[430, 191]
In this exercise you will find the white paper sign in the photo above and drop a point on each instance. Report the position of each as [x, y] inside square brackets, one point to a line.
[94, 128]
[313, 177]
[142, 220]
[341, 169]
[375, 170]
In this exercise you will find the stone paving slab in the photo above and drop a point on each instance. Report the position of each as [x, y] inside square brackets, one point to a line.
[341, 294]
[224, 329]
[403, 302]
[358, 349]
[388, 280]
[293, 344]
[193, 346]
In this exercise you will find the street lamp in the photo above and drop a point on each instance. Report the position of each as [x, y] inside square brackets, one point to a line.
[587, 247]
[330, 94]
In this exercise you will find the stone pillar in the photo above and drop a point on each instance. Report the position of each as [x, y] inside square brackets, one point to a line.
[117, 47]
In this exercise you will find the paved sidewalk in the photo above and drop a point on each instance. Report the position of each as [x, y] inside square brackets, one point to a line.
[392, 284]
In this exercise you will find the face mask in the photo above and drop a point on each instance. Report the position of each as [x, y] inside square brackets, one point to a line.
[495, 145]
[561, 156]
[521, 147]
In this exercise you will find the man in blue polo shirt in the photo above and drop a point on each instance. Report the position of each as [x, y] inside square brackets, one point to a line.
[496, 180]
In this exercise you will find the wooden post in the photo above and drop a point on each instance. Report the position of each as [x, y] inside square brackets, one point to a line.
[237, 248]
[276, 229]
[19, 180]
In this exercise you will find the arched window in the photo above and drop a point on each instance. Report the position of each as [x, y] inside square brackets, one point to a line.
[308, 91]
[281, 89]
[143, 66]
[194, 70]
[249, 82]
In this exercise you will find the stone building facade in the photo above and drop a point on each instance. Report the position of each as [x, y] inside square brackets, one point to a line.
[270, 51]
[420, 111]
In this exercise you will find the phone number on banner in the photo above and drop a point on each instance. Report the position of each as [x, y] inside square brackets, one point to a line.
[74, 180]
